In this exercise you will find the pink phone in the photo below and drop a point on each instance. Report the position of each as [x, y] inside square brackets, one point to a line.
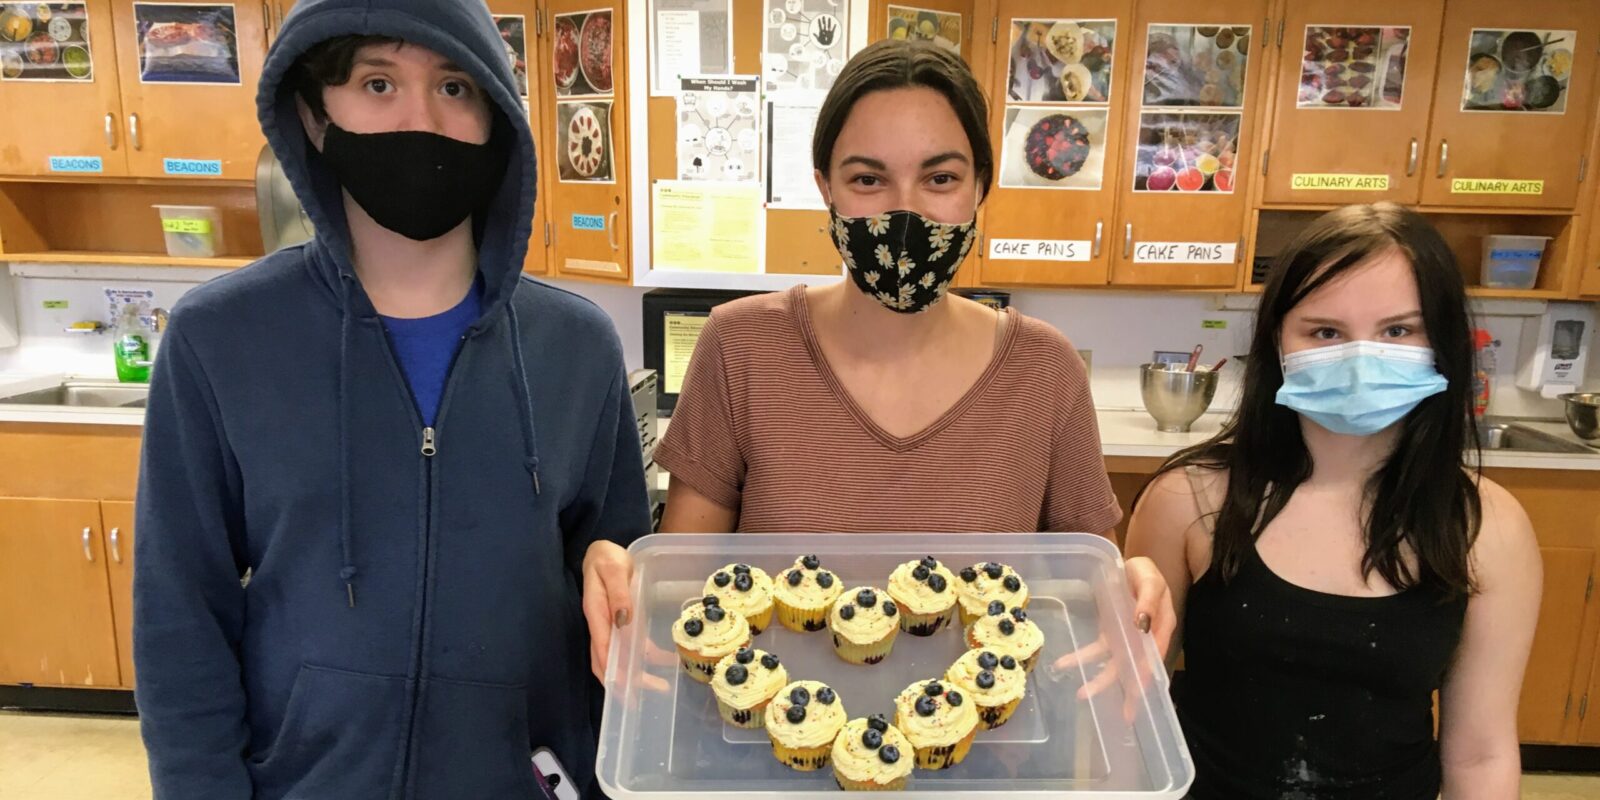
[553, 778]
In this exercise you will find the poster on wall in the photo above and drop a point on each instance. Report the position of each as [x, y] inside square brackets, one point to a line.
[806, 43]
[1060, 61]
[182, 43]
[791, 118]
[45, 42]
[719, 131]
[583, 141]
[1046, 148]
[1526, 71]
[1186, 152]
[1196, 65]
[582, 54]
[1353, 68]
[941, 28]
[514, 32]
[688, 37]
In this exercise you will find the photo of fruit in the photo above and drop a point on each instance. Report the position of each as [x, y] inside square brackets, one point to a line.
[1061, 61]
[1190, 65]
[1052, 148]
[1353, 68]
[1186, 152]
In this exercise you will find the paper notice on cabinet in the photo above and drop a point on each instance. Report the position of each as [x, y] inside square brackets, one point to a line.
[681, 333]
[791, 118]
[688, 37]
[706, 227]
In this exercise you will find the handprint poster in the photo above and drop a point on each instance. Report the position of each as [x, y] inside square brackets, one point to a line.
[806, 43]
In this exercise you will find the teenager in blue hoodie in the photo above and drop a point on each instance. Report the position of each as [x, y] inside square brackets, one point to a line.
[387, 480]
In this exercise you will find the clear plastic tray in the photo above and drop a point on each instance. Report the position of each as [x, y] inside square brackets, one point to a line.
[662, 739]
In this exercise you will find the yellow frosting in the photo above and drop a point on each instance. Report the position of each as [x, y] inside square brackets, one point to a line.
[975, 596]
[762, 684]
[869, 624]
[916, 596]
[948, 725]
[717, 638]
[858, 762]
[1009, 684]
[1022, 643]
[822, 722]
[809, 594]
[750, 603]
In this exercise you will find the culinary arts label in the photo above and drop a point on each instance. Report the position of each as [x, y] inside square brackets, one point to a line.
[1339, 182]
[1495, 186]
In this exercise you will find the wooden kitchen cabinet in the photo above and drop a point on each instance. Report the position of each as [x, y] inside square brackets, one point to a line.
[589, 198]
[1547, 685]
[1329, 153]
[1524, 149]
[75, 122]
[523, 30]
[1176, 130]
[56, 625]
[1073, 214]
[116, 520]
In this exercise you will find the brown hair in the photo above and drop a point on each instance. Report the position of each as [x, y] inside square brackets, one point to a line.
[328, 63]
[900, 64]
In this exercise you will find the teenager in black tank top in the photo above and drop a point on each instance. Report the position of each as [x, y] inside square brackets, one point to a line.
[1401, 572]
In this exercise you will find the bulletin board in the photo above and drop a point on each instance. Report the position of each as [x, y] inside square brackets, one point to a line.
[796, 241]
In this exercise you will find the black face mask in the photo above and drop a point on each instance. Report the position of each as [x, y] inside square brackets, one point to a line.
[420, 185]
[902, 259]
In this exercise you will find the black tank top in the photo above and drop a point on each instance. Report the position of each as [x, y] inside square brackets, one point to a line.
[1292, 694]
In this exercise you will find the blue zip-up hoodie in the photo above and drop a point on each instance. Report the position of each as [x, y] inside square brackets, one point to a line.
[411, 624]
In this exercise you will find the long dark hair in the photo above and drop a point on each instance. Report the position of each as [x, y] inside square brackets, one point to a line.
[1422, 498]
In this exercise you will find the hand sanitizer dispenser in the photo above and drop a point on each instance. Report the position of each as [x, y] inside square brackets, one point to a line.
[1555, 349]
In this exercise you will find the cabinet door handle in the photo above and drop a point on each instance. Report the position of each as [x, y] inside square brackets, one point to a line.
[133, 132]
[1411, 163]
[116, 545]
[1127, 241]
[1099, 234]
[111, 136]
[1444, 157]
[611, 231]
[266, 23]
[88, 552]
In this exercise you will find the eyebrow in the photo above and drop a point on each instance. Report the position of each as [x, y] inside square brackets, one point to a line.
[1384, 321]
[381, 62]
[932, 161]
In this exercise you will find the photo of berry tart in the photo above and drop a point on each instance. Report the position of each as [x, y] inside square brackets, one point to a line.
[1057, 147]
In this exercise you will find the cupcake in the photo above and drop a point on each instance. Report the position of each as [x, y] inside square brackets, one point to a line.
[705, 634]
[744, 590]
[745, 683]
[994, 682]
[864, 623]
[925, 594]
[939, 722]
[1007, 633]
[804, 593]
[802, 721]
[981, 584]
[871, 755]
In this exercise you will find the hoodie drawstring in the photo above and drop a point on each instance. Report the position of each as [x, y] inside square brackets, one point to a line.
[524, 397]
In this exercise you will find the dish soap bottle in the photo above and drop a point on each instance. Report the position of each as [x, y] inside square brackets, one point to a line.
[1483, 345]
[131, 347]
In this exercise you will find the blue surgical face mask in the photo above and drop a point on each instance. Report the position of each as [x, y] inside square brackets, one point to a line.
[1359, 388]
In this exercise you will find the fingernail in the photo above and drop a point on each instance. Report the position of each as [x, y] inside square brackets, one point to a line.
[1143, 621]
[622, 618]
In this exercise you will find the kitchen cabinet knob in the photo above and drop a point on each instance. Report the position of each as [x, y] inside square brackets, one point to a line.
[611, 231]
[1444, 157]
[88, 552]
[133, 132]
[1099, 234]
[1127, 241]
[1411, 162]
[111, 136]
[116, 545]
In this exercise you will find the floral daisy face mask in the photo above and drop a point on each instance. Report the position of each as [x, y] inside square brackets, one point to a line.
[902, 259]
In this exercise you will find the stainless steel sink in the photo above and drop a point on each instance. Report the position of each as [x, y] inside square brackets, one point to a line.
[1511, 436]
[93, 394]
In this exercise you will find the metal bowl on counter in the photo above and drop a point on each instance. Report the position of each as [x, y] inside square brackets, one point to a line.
[1174, 396]
[1583, 414]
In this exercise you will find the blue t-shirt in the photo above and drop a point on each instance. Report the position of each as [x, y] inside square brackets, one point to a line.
[426, 347]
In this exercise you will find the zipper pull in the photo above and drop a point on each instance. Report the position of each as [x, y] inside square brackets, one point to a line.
[428, 446]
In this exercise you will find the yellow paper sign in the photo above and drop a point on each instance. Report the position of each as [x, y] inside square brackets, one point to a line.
[182, 225]
[706, 227]
[1495, 186]
[678, 341]
[1339, 182]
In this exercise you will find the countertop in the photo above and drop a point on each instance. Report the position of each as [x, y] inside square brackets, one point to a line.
[1124, 432]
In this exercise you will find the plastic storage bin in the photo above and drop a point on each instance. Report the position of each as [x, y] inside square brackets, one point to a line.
[192, 231]
[662, 739]
[1512, 262]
